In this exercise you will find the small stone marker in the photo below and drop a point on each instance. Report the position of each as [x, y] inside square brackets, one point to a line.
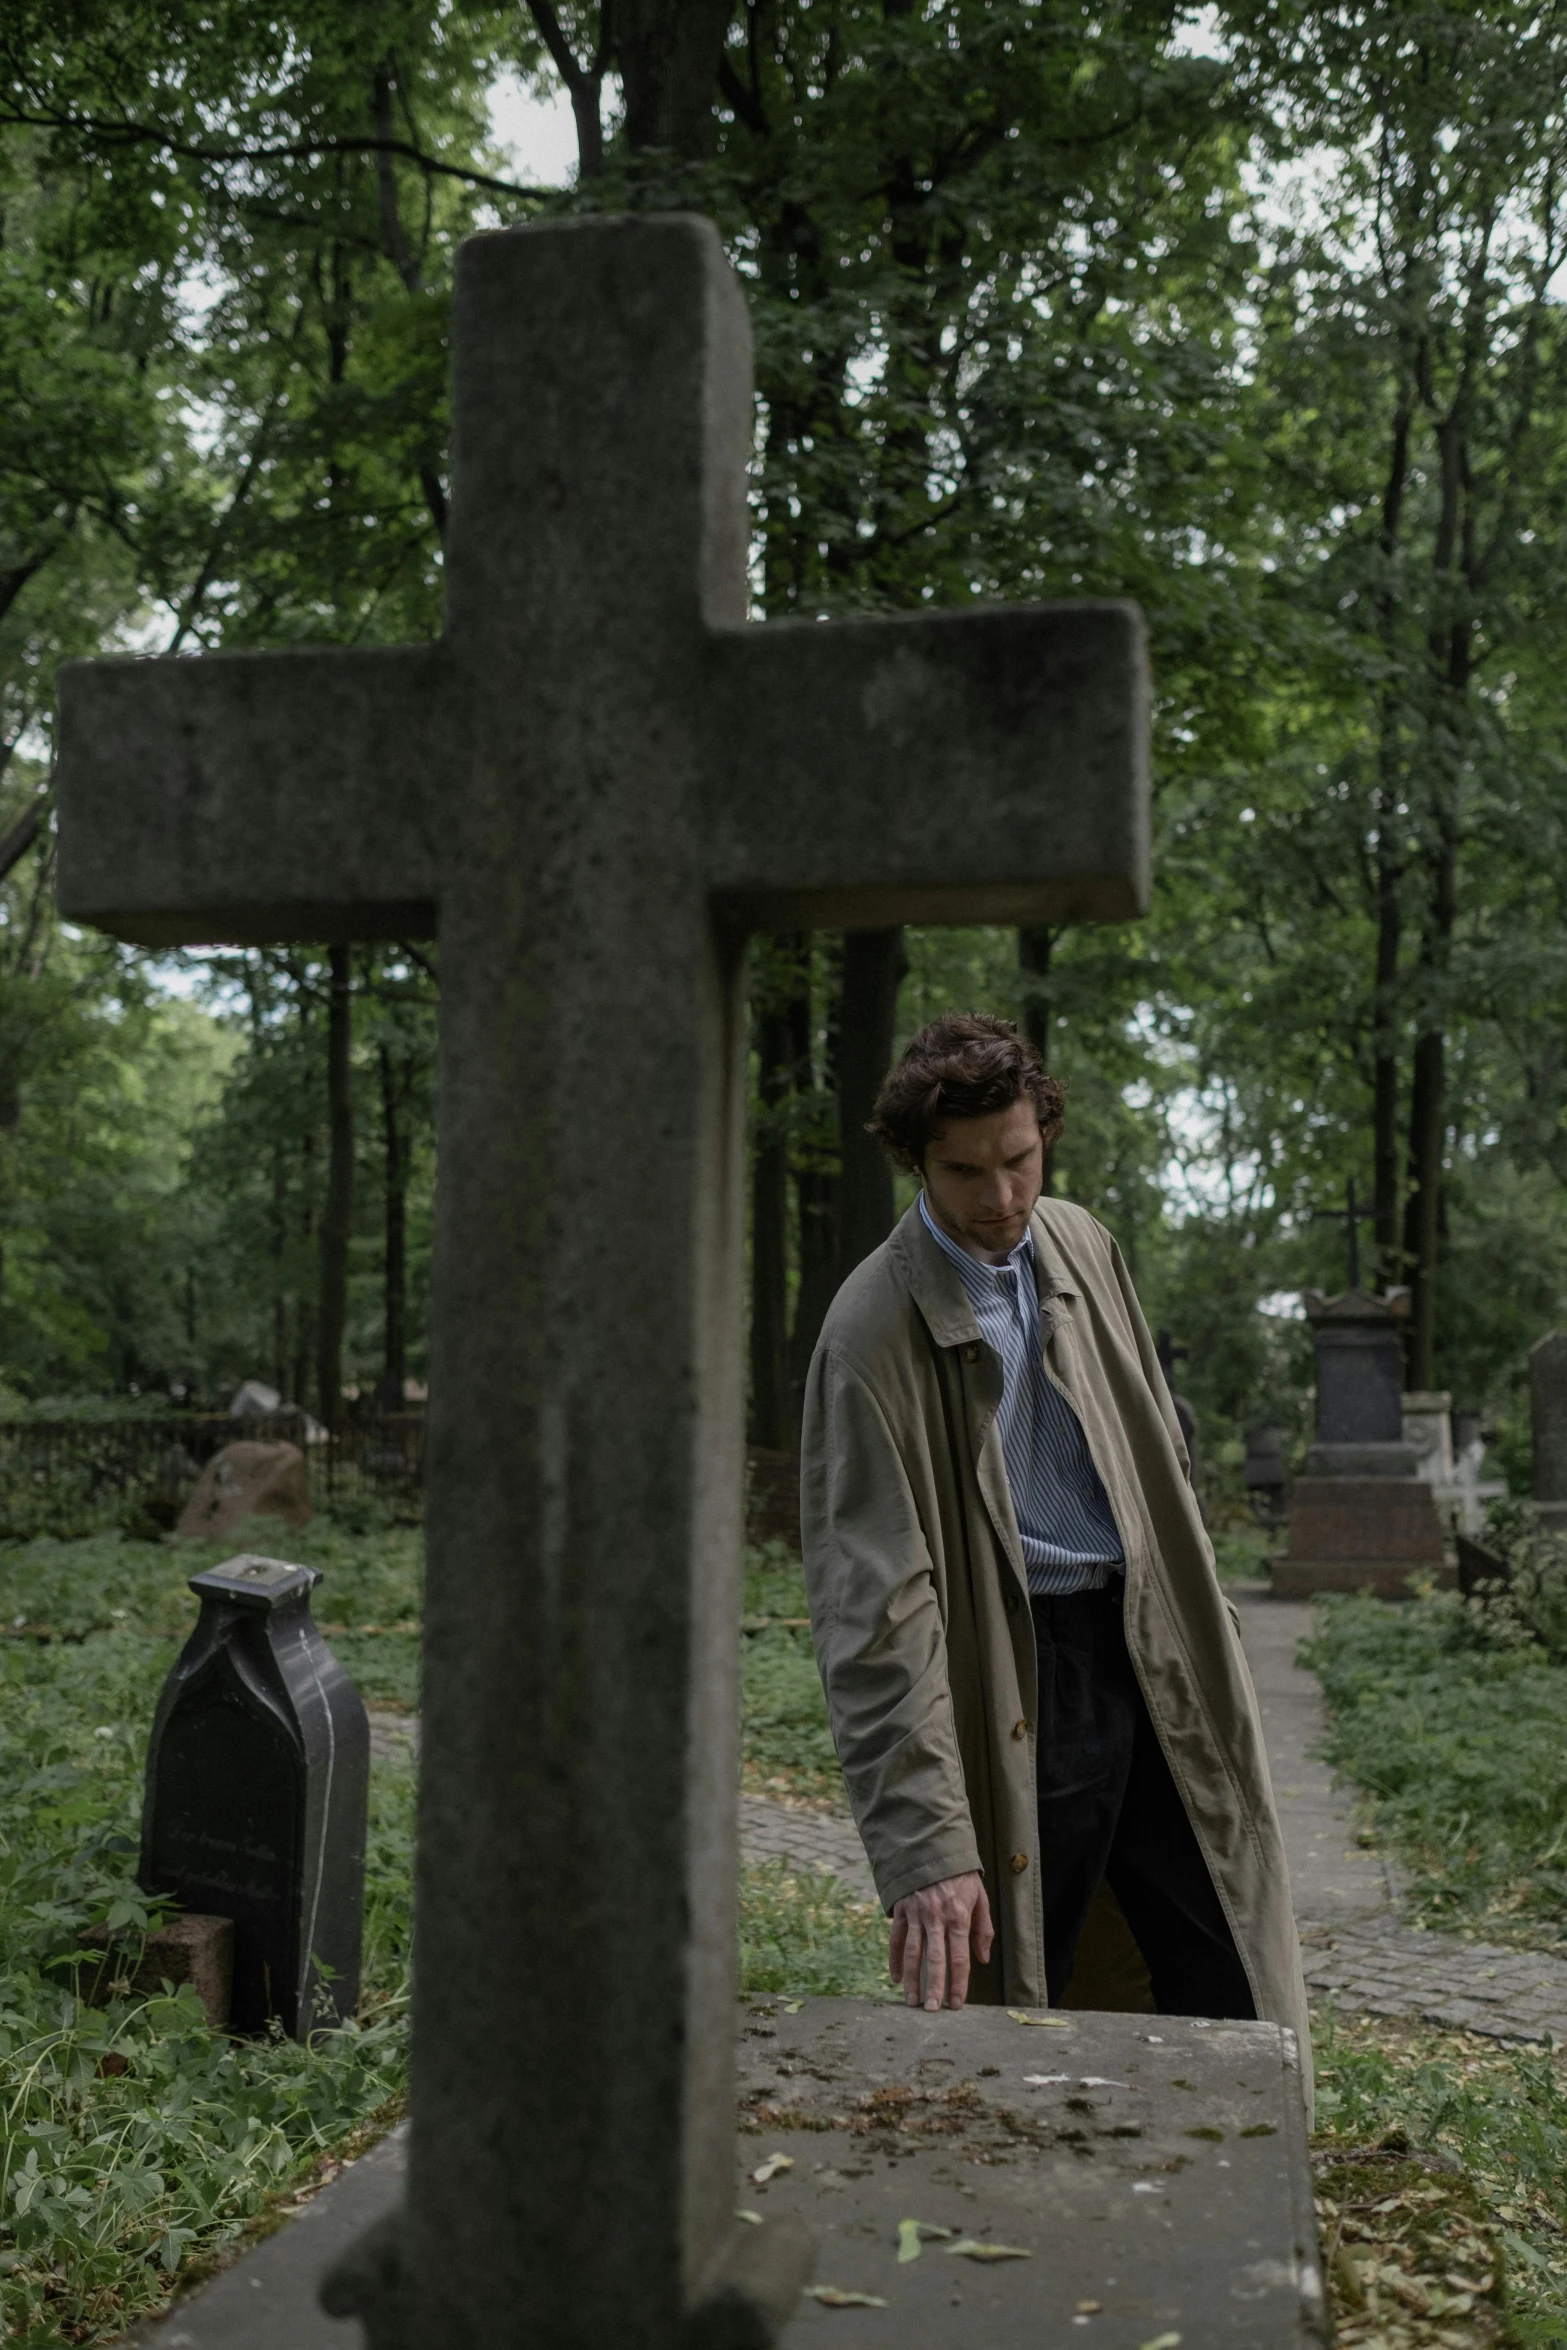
[1548, 1417]
[247, 1480]
[1361, 1518]
[188, 1949]
[257, 1783]
[598, 781]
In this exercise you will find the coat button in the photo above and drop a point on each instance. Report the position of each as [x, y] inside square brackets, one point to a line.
[1019, 1863]
[971, 1354]
[1020, 1729]
[1011, 1603]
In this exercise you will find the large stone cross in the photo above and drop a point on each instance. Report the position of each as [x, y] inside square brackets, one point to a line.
[595, 784]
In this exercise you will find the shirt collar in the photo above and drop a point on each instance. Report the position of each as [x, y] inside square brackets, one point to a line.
[1016, 1261]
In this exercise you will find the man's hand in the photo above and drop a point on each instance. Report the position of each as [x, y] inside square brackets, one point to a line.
[936, 1926]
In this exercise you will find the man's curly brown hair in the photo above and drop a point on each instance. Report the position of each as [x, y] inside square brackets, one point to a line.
[964, 1065]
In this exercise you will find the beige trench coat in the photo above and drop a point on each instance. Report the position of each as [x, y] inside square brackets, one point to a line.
[919, 1596]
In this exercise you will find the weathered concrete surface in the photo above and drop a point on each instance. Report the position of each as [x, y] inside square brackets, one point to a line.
[1332, 1876]
[594, 783]
[1164, 2177]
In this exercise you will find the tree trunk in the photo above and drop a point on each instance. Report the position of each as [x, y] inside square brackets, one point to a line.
[771, 1415]
[332, 1318]
[668, 53]
[874, 965]
[395, 1260]
[277, 1240]
[1389, 875]
[1034, 950]
[1384, 1084]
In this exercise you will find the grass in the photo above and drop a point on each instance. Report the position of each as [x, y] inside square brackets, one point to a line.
[135, 2145]
[786, 1746]
[1454, 1724]
[1440, 2159]
[133, 2141]
[1457, 1732]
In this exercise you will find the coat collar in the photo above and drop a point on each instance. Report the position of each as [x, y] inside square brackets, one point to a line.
[937, 1289]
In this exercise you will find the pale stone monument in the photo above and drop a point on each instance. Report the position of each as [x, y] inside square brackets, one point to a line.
[594, 785]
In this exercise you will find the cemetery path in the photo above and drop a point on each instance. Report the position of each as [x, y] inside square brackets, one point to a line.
[1353, 1941]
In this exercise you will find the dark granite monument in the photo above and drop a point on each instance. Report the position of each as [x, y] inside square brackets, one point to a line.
[597, 782]
[1265, 1475]
[257, 1781]
[1548, 1423]
[1361, 1517]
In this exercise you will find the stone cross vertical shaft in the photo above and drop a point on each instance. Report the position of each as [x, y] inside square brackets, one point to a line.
[594, 786]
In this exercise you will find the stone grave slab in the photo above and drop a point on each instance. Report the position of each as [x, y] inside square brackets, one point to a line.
[1154, 2170]
[1153, 2167]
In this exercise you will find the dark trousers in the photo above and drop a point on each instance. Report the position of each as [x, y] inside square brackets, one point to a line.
[1108, 1808]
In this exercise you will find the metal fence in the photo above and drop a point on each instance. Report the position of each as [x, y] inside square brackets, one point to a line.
[76, 1476]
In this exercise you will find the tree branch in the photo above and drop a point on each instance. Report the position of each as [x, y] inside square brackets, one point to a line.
[133, 134]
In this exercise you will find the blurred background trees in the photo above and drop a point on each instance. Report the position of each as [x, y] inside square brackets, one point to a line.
[1253, 315]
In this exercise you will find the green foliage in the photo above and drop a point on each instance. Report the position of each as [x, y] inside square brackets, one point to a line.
[805, 1936]
[786, 1744]
[1455, 1725]
[1385, 2089]
[133, 2139]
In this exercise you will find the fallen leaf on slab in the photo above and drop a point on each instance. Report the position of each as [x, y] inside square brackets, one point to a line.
[1051, 2023]
[771, 2167]
[971, 2248]
[1044, 2080]
[1163, 2342]
[1098, 2081]
[834, 2297]
[793, 2006]
[912, 2233]
[1145, 2187]
[753, 2219]
[1088, 2309]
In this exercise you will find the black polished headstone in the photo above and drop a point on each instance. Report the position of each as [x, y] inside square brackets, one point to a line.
[257, 1788]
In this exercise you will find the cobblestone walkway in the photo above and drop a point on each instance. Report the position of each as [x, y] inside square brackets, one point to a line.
[1471, 1986]
[1353, 1941]
[825, 1843]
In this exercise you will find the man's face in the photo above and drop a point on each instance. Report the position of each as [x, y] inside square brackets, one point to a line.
[982, 1177]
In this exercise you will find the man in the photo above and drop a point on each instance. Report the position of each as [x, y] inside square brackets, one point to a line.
[1037, 1689]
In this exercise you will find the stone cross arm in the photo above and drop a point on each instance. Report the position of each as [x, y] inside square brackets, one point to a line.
[865, 772]
[988, 765]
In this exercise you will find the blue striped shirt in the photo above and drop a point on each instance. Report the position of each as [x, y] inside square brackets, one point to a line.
[1068, 1530]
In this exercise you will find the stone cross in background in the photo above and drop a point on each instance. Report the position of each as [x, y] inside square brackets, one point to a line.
[1548, 1422]
[596, 783]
